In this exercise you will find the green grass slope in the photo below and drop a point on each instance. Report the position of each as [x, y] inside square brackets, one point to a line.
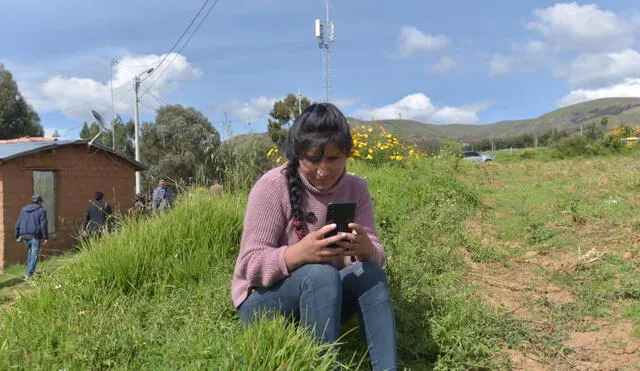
[156, 294]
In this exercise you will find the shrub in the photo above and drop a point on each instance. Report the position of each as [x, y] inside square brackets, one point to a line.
[375, 146]
[527, 153]
[575, 145]
[372, 145]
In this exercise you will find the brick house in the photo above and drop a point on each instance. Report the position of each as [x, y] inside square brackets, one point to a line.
[66, 173]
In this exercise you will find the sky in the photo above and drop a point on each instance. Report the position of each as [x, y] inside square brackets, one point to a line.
[455, 61]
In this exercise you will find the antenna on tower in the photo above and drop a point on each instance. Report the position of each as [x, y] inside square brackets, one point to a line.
[325, 34]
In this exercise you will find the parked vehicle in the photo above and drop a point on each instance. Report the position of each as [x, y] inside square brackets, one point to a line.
[477, 157]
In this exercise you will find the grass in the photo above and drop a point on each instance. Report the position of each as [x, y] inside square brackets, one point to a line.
[567, 224]
[156, 294]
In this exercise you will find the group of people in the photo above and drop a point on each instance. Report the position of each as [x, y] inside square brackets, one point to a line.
[288, 261]
[32, 224]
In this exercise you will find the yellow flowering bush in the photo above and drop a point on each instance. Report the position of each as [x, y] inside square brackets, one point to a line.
[274, 154]
[376, 146]
[619, 131]
[371, 145]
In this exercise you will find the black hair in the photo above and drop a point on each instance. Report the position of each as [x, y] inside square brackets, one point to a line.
[318, 125]
[99, 196]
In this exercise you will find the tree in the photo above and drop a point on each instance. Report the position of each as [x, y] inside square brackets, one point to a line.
[179, 145]
[85, 132]
[17, 117]
[592, 132]
[124, 138]
[284, 112]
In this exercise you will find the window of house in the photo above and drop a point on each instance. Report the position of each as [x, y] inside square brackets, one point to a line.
[44, 184]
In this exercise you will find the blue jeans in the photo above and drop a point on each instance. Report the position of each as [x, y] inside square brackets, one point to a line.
[33, 245]
[322, 298]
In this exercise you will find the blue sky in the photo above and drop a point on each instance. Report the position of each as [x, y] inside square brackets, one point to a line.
[440, 62]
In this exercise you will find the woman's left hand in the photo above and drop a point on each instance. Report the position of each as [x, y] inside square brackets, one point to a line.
[356, 243]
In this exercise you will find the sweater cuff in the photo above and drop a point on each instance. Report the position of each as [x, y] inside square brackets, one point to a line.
[281, 262]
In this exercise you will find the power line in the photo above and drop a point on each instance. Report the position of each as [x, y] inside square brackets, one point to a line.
[159, 100]
[181, 36]
[182, 47]
[81, 104]
[141, 66]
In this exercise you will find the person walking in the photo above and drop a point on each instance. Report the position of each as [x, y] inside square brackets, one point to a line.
[97, 216]
[32, 230]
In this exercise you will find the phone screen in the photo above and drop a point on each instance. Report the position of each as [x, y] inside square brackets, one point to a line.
[341, 213]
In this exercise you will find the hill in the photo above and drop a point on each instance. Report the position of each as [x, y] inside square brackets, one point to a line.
[617, 110]
[571, 118]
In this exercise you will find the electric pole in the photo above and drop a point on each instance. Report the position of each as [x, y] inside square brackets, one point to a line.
[136, 134]
[113, 126]
[299, 102]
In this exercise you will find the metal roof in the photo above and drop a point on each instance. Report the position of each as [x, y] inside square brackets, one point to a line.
[11, 149]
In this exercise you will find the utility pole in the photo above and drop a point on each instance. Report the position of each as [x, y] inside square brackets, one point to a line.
[113, 126]
[136, 134]
[299, 102]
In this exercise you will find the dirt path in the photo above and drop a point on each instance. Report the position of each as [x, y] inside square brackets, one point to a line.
[521, 289]
[557, 248]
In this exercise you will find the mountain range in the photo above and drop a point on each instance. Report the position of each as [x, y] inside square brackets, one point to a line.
[571, 118]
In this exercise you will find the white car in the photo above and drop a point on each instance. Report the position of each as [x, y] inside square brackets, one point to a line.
[477, 157]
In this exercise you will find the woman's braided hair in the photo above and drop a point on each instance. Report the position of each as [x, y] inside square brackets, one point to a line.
[318, 125]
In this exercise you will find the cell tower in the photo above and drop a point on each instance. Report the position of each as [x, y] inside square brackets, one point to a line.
[326, 38]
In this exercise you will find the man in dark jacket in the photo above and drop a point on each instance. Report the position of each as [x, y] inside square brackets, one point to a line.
[162, 197]
[98, 216]
[31, 229]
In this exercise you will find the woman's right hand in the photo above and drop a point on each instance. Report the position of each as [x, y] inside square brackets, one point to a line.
[313, 248]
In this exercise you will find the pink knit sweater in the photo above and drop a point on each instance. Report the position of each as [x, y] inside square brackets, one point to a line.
[268, 228]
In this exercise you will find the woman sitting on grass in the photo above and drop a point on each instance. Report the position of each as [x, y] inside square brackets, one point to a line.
[285, 263]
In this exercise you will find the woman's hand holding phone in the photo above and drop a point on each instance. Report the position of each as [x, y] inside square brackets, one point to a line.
[357, 243]
[314, 248]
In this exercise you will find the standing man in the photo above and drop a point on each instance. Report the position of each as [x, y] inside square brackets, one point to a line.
[31, 229]
[97, 216]
[162, 196]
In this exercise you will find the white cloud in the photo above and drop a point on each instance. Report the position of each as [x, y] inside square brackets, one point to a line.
[412, 41]
[598, 70]
[75, 96]
[628, 88]
[502, 65]
[532, 47]
[253, 109]
[419, 107]
[344, 102]
[583, 28]
[446, 64]
[533, 56]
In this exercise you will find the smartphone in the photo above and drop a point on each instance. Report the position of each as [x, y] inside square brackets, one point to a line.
[341, 213]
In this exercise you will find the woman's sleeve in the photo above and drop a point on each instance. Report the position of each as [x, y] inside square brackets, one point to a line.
[261, 259]
[365, 217]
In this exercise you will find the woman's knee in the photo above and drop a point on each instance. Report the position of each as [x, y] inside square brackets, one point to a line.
[365, 277]
[365, 271]
[315, 276]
